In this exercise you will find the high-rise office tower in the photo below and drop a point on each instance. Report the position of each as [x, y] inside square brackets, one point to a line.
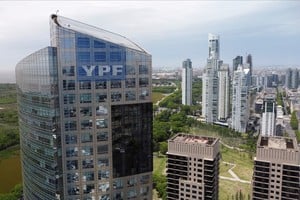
[85, 116]
[210, 83]
[295, 79]
[236, 62]
[223, 102]
[288, 78]
[240, 101]
[269, 115]
[276, 169]
[187, 81]
[249, 62]
[193, 167]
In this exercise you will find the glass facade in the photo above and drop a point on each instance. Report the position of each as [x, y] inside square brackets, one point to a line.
[103, 87]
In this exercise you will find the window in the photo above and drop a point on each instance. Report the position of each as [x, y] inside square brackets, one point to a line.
[86, 124]
[115, 56]
[130, 83]
[83, 42]
[101, 123]
[143, 82]
[69, 71]
[102, 149]
[71, 139]
[100, 85]
[103, 162]
[72, 151]
[115, 84]
[87, 163]
[72, 164]
[116, 96]
[103, 174]
[102, 136]
[70, 112]
[70, 126]
[83, 56]
[98, 44]
[85, 85]
[85, 111]
[130, 96]
[86, 137]
[72, 177]
[101, 97]
[130, 70]
[85, 98]
[87, 150]
[143, 69]
[100, 56]
[69, 99]
[101, 110]
[69, 84]
[88, 176]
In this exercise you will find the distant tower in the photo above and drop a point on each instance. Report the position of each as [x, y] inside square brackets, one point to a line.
[187, 79]
[288, 78]
[249, 61]
[276, 171]
[240, 101]
[210, 89]
[223, 106]
[193, 167]
[295, 79]
[236, 62]
[269, 115]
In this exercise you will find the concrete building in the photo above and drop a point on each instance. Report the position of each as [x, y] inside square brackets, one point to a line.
[236, 62]
[187, 81]
[223, 101]
[210, 90]
[240, 100]
[276, 169]
[192, 167]
[85, 115]
[269, 115]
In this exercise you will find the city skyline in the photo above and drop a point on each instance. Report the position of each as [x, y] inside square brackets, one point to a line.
[263, 29]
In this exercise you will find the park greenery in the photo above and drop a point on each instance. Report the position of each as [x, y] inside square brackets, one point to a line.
[294, 121]
[14, 194]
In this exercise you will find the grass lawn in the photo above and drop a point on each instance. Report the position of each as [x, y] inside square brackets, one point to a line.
[159, 164]
[224, 169]
[156, 96]
[227, 189]
[244, 165]
[11, 151]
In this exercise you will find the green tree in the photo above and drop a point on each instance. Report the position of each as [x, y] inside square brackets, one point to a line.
[294, 121]
[163, 147]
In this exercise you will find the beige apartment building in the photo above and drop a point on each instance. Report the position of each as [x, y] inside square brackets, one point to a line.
[192, 167]
[276, 169]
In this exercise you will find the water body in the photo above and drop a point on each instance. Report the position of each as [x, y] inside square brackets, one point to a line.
[10, 172]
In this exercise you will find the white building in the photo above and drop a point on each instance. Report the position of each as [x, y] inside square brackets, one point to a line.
[223, 102]
[269, 116]
[187, 79]
[210, 83]
[240, 100]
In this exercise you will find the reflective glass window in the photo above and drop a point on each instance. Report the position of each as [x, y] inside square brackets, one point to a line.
[71, 138]
[118, 184]
[115, 56]
[103, 174]
[83, 42]
[72, 151]
[100, 85]
[70, 112]
[88, 176]
[143, 69]
[116, 96]
[101, 97]
[102, 136]
[101, 110]
[98, 44]
[87, 150]
[88, 188]
[101, 123]
[102, 149]
[72, 177]
[84, 56]
[103, 162]
[69, 98]
[130, 96]
[115, 84]
[86, 124]
[72, 164]
[86, 137]
[130, 83]
[87, 163]
[85, 85]
[143, 82]
[70, 126]
[104, 187]
[86, 111]
[85, 98]
[73, 189]
[68, 71]
[69, 84]
[130, 70]
[100, 56]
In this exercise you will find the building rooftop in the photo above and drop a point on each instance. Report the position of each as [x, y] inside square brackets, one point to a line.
[95, 32]
[193, 139]
[277, 143]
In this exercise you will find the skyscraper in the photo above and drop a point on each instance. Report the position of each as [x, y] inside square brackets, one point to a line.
[210, 83]
[269, 115]
[240, 101]
[193, 167]
[85, 116]
[276, 169]
[295, 79]
[249, 62]
[223, 101]
[187, 81]
[288, 78]
[236, 62]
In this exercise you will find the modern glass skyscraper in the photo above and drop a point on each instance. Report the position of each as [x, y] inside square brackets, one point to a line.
[85, 116]
[210, 89]
[223, 102]
[187, 80]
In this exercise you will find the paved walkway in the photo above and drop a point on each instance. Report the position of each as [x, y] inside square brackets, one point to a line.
[234, 176]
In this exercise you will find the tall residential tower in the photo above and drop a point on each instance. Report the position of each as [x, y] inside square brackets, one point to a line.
[223, 101]
[187, 81]
[85, 115]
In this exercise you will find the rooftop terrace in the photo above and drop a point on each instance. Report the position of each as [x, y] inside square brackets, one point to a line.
[196, 139]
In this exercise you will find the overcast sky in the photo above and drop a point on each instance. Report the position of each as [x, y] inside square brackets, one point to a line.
[169, 30]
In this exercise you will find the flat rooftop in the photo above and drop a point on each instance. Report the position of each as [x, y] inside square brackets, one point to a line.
[277, 143]
[193, 139]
